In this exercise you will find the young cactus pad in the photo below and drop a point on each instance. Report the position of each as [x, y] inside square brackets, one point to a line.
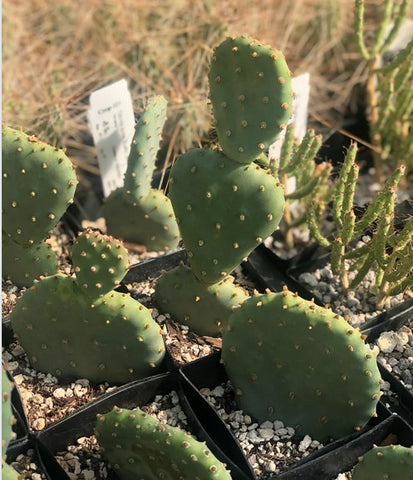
[251, 95]
[293, 361]
[39, 182]
[7, 419]
[136, 212]
[205, 309]
[139, 446]
[224, 209]
[77, 327]
[392, 462]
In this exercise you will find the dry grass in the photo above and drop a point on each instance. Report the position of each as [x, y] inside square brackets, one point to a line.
[56, 53]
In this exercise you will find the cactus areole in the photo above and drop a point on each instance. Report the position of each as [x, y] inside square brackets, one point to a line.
[293, 361]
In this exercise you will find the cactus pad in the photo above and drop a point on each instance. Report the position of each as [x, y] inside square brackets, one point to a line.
[136, 212]
[251, 95]
[139, 446]
[224, 210]
[25, 264]
[100, 262]
[7, 419]
[39, 182]
[392, 462]
[68, 332]
[293, 361]
[205, 309]
[150, 222]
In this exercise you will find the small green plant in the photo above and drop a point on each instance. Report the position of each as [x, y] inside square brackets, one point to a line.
[139, 446]
[388, 251]
[388, 89]
[79, 327]
[226, 203]
[297, 164]
[136, 212]
[38, 182]
[391, 462]
[291, 360]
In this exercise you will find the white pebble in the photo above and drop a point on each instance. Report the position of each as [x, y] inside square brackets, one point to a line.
[59, 393]
[305, 443]
[387, 342]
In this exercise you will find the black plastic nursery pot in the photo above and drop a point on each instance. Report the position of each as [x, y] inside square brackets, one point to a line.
[57, 437]
[334, 458]
[46, 464]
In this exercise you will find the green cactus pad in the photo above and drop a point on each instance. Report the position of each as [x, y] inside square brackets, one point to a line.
[144, 147]
[150, 222]
[100, 262]
[392, 462]
[251, 95]
[39, 182]
[68, 332]
[205, 309]
[25, 264]
[9, 473]
[136, 212]
[293, 361]
[7, 419]
[224, 210]
[140, 447]
[112, 338]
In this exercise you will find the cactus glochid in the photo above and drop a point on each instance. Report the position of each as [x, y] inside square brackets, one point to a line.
[79, 327]
[136, 212]
[291, 360]
[139, 446]
[38, 184]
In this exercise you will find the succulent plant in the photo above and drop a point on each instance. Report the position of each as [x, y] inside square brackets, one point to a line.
[391, 462]
[7, 421]
[79, 327]
[204, 308]
[139, 446]
[136, 212]
[291, 360]
[39, 182]
[225, 203]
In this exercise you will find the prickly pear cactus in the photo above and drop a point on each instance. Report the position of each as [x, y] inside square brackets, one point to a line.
[7, 419]
[224, 210]
[9, 473]
[38, 183]
[139, 446]
[293, 361]
[251, 95]
[205, 309]
[136, 212]
[392, 462]
[79, 327]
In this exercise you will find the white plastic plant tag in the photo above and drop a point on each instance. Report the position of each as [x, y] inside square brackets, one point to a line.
[403, 37]
[112, 123]
[301, 88]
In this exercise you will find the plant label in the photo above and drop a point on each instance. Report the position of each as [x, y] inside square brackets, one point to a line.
[111, 121]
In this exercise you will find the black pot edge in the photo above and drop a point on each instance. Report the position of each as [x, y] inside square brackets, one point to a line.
[81, 422]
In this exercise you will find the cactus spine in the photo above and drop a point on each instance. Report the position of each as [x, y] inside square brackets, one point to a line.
[136, 212]
[79, 327]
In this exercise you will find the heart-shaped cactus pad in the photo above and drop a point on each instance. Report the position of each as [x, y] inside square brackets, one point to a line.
[224, 209]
